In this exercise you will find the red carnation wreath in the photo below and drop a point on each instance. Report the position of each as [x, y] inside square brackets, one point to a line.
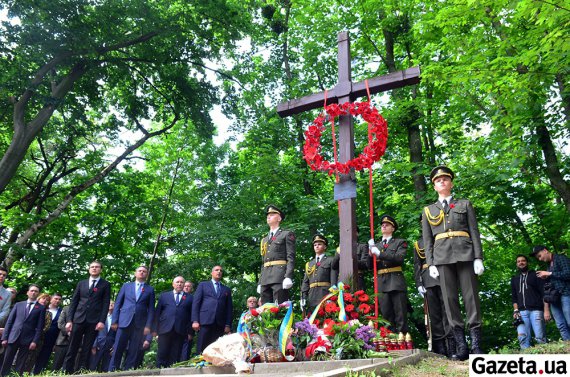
[371, 153]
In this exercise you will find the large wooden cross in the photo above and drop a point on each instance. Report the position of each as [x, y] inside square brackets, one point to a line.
[347, 91]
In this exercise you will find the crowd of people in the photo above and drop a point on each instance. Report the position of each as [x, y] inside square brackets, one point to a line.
[95, 333]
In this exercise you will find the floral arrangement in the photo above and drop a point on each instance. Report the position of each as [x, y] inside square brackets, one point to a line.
[357, 305]
[375, 149]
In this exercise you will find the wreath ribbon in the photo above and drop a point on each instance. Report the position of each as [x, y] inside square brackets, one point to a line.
[334, 290]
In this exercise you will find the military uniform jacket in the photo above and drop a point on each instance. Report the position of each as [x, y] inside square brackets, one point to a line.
[391, 256]
[326, 271]
[280, 248]
[363, 257]
[459, 217]
[421, 275]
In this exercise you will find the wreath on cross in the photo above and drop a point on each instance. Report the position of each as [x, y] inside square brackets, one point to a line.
[377, 139]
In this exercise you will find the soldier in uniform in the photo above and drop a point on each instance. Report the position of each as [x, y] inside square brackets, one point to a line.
[392, 284]
[454, 255]
[320, 274]
[429, 288]
[278, 259]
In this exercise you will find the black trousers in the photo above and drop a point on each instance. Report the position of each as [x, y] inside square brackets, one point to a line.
[394, 308]
[274, 293]
[82, 336]
[10, 353]
[208, 334]
[169, 348]
[438, 318]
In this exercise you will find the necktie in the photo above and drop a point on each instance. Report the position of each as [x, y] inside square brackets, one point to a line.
[177, 298]
[217, 286]
[319, 260]
[139, 289]
[271, 236]
[384, 242]
[29, 308]
[92, 285]
[445, 206]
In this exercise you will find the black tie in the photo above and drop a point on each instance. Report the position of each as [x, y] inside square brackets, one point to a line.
[29, 308]
[445, 206]
[384, 243]
[92, 285]
[319, 260]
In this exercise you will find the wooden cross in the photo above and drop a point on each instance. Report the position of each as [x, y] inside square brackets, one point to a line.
[347, 91]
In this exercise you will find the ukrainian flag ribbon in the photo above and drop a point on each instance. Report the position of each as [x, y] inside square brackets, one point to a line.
[334, 291]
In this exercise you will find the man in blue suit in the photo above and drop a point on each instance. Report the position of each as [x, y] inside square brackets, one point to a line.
[132, 318]
[103, 346]
[212, 310]
[172, 323]
[23, 330]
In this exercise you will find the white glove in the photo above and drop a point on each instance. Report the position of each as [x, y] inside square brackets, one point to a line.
[371, 242]
[478, 267]
[287, 283]
[433, 272]
[303, 303]
[421, 290]
[259, 289]
[375, 251]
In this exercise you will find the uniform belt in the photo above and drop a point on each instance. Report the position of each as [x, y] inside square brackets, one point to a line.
[275, 263]
[388, 270]
[425, 266]
[449, 234]
[320, 284]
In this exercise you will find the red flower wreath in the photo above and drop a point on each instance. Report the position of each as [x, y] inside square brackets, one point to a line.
[371, 153]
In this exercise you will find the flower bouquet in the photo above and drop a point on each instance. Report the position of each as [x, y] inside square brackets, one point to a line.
[266, 330]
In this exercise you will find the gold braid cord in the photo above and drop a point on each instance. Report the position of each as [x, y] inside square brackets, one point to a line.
[434, 220]
[421, 252]
[263, 248]
[310, 270]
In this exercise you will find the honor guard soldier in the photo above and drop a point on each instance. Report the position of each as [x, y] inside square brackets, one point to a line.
[454, 255]
[429, 288]
[392, 284]
[278, 259]
[320, 274]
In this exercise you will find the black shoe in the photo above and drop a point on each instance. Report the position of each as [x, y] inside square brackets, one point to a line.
[462, 352]
[438, 347]
[476, 341]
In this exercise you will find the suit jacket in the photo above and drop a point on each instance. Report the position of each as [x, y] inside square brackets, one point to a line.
[459, 217]
[128, 308]
[210, 308]
[326, 272]
[63, 336]
[90, 306]
[28, 328]
[171, 317]
[105, 337]
[5, 301]
[280, 248]
[391, 256]
[421, 274]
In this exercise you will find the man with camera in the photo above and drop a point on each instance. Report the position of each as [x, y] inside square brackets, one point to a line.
[529, 309]
[558, 293]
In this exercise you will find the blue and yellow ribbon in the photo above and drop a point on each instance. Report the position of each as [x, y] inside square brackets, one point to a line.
[334, 291]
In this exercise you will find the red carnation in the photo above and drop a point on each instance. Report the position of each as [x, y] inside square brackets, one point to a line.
[349, 308]
[274, 310]
[354, 315]
[321, 312]
[364, 298]
[452, 205]
[364, 308]
[358, 293]
[95, 289]
[347, 297]
[254, 312]
[333, 298]
[331, 307]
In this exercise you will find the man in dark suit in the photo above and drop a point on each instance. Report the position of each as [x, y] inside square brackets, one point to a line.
[103, 346]
[62, 341]
[212, 310]
[132, 319]
[390, 255]
[50, 335]
[23, 330]
[172, 323]
[87, 315]
[455, 256]
[320, 274]
[277, 258]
